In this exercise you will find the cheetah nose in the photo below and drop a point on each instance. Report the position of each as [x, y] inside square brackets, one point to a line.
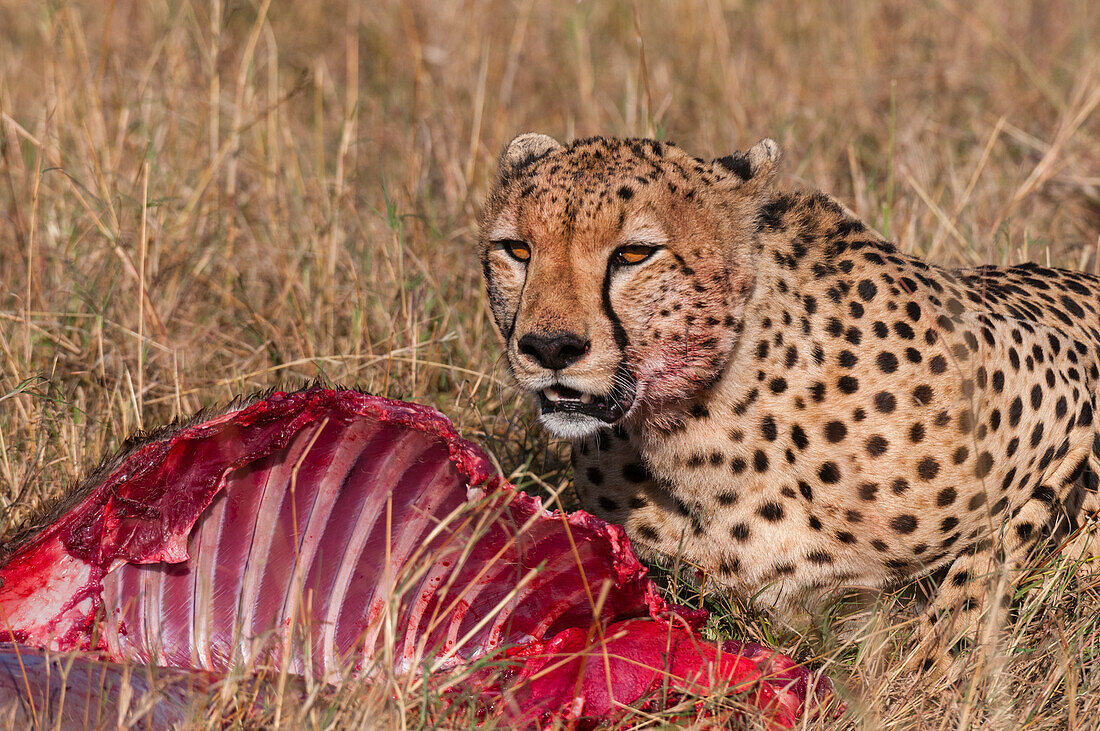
[554, 351]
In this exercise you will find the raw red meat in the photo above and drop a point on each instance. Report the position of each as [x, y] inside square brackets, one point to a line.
[325, 531]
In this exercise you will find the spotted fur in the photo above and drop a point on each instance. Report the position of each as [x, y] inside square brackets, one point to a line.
[811, 408]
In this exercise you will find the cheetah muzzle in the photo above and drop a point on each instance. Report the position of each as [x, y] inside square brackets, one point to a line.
[758, 385]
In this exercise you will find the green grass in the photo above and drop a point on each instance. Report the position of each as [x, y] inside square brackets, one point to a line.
[200, 199]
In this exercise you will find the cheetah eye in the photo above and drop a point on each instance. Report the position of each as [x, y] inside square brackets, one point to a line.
[632, 254]
[516, 249]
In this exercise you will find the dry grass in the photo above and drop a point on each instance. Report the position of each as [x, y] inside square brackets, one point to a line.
[199, 199]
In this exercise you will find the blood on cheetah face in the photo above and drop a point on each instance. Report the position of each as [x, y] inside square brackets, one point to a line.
[617, 272]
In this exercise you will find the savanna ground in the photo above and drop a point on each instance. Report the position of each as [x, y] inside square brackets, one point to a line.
[201, 199]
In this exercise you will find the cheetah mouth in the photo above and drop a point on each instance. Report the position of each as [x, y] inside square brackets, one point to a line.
[559, 399]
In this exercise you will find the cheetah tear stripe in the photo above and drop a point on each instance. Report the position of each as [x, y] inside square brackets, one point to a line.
[299, 530]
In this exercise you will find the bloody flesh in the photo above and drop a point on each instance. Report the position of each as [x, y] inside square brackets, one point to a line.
[305, 530]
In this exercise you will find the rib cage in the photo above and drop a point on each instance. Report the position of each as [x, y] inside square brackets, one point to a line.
[325, 531]
[300, 549]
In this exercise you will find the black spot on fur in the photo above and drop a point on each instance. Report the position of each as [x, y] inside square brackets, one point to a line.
[737, 164]
[829, 473]
[771, 512]
[904, 524]
[876, 445]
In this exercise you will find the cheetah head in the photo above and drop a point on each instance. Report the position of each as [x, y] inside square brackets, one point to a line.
[617, 271]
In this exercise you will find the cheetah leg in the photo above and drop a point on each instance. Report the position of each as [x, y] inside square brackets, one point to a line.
[972, 602]
[613, 483]
[973, 589]
[607, 474]
[1085, 547]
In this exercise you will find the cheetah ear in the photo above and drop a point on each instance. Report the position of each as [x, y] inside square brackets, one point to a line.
[758, 165]
[523, 151]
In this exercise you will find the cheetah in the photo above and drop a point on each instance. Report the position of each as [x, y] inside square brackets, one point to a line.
[758, 385]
